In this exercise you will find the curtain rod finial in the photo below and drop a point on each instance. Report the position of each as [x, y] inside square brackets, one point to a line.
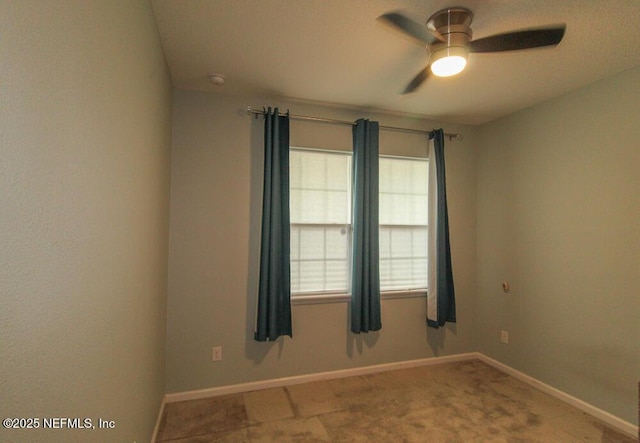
[250, 111]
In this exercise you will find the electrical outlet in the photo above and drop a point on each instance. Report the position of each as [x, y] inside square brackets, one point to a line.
[217, 353]
[504, 337]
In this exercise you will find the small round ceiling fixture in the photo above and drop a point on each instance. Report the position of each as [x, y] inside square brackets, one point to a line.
[216, 79]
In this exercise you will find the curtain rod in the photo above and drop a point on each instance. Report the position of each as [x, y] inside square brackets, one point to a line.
[256, 112]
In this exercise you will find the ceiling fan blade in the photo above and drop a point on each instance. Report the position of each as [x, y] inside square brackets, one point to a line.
[513, 41]
[408, 27]
[417, 80]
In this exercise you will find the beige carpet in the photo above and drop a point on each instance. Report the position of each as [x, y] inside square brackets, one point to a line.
[457, 402]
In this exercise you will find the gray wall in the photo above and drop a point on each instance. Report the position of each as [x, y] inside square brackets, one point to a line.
[558, 217]
[85, 106]
[215, 212]
[546, 199]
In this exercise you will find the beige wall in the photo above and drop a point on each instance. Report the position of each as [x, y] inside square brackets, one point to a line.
[215, 213]
[85, 105]
[558, 217]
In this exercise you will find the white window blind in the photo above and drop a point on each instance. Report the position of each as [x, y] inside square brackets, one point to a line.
[320, 205]
[403, 223]
[320, 193]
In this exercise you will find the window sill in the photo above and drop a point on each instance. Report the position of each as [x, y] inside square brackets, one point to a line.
[407, 293]
[313, 299]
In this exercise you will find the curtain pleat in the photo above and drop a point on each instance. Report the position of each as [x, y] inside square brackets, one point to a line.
[441, 304]
[274, 292]
[365, 276]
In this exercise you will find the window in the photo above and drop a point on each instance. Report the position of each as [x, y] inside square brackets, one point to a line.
[403, 223]
[320, 193]
[320, 205]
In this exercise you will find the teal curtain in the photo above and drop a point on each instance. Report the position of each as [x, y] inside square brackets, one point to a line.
[441, 303]
[365, 275]
[274, 292]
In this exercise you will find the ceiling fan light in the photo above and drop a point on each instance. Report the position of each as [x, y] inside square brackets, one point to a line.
[449, 61]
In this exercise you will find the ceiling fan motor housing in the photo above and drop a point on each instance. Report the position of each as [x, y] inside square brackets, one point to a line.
[452, 27]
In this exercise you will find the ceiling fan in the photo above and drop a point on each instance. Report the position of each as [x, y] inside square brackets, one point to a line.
[449, 40]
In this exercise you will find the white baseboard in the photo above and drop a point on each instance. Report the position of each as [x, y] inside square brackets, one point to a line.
[156, 429]
[297, 379]
[615, 422]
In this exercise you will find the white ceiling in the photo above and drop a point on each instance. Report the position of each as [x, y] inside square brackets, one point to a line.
[334, 51]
